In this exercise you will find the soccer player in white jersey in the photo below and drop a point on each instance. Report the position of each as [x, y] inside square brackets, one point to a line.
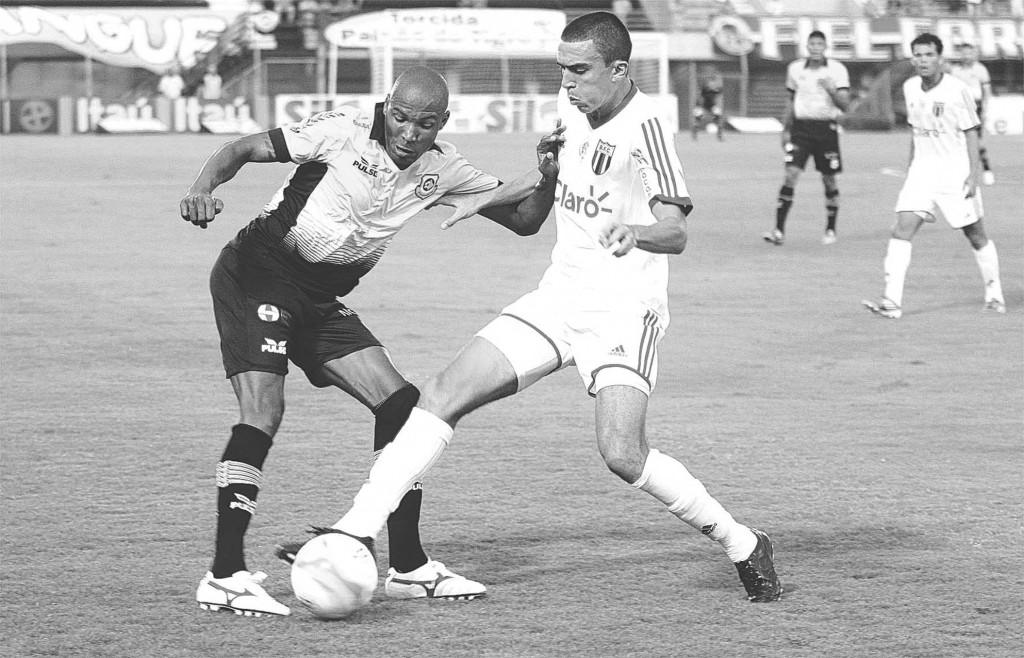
[276, 296]
[620, 208]
[819, 92]
[942, 178]
[975, 75]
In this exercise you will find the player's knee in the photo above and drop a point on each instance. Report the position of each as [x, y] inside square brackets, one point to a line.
[445, 399]
[623, 464]
[264, 415]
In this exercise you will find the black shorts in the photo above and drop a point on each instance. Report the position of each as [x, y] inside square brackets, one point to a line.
[814, 138]
[264, 321]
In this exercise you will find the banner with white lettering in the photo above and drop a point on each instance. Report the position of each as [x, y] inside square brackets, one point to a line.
[470, 113]
[145, 114]
[863, 38]
[147, 38]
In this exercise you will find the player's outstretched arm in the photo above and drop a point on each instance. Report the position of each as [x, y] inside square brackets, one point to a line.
[198, 205]
[973, 136]
[665, 236]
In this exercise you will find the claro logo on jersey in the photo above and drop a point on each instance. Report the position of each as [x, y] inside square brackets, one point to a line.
[588, 205]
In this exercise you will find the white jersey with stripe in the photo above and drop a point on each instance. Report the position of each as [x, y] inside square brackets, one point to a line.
[810, 100]
[975, 76]
[613, 173]
[339, 209]
[939, 118]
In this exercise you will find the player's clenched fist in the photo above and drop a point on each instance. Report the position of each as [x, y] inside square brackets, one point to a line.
[200, 208]
[619, 239]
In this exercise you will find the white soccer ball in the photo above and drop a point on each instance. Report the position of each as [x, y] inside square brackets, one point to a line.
[334, 575]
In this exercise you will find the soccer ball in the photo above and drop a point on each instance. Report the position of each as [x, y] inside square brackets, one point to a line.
[334, 575]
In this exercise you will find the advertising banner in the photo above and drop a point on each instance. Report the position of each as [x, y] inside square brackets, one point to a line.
[470, 113]
[147, 38]
[146, 114]
[37, 116]
[863, 38]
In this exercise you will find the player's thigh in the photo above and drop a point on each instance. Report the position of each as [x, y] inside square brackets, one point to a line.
[479, 374]
[827, 158]
[531, 334]
[617, 348]
[620, 418]
[368, 375]
[254, 333]
[795, 155]
[339, 350]
[960, 211]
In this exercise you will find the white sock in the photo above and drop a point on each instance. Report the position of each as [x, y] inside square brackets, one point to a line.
[401, 463]
[988, 263]
[668, 480]
[897, 261]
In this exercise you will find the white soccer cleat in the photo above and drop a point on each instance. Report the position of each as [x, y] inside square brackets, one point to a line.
[774, 236]
[240, 593]
[828, 238]
[432, 581]
[994, 306]
[988, 178]
[885, 308]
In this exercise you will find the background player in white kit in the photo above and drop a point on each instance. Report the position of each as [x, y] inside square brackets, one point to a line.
[601, 305]
[975, 75]
[942, 178]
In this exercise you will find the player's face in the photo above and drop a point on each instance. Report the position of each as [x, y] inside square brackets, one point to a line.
[927, 60]
[590, 83]
[969, 54]
[410, 129]
[816, 48]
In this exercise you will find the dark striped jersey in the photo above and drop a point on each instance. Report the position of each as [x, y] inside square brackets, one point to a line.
[613, 173]
[339, 209]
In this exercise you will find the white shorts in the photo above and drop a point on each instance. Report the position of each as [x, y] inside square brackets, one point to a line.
[539, 335]
[957, 210]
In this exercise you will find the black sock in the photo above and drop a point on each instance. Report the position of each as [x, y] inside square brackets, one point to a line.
[983, 155]
[405, 552]
[831, 208]
[782, 209]
[239, 473]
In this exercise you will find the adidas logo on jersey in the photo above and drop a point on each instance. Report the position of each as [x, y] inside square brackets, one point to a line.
[618, 351]
[275, 347]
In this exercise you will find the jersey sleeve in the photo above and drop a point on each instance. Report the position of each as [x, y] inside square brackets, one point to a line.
[654, 156]
[464, 178]
[790, 78]
[315, 139]
[968, 113]
[983, 75]
[842, 76]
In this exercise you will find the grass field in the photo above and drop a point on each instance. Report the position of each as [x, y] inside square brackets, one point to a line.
[885, 458]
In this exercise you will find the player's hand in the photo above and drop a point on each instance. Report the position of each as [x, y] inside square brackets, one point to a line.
[548, 148]
[971, 185]
[465, 205]
[619, 239]
[200, 208]
[827, 84]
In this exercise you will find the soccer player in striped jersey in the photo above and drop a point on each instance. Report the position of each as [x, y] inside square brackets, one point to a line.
[620, 209]
[819, 91]
[942, 178]
[276, 297]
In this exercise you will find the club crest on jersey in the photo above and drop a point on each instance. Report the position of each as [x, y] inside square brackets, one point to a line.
[938, 108]
[602, 157]
[427, 186]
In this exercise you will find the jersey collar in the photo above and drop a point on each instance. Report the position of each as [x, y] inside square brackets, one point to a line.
[625, 101]
[377, 129]
[807, 62]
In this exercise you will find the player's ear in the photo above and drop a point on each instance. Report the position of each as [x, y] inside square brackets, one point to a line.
[444, 118]
[620, 69]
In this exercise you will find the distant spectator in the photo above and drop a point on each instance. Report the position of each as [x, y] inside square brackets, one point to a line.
[212, 84]
[171, 83]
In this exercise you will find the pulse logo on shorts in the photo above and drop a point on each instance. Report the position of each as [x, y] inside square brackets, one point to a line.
[602, 157]
[275, 347]
[268, 313]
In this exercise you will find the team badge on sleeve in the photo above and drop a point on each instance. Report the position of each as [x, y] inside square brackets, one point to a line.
[602, 157]
[427, 186]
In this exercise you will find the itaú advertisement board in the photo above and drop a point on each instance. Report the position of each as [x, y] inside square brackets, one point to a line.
[470, 113]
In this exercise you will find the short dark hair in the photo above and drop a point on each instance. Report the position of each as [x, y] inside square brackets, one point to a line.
[819, 34]
[927, 39]
[606, 31]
